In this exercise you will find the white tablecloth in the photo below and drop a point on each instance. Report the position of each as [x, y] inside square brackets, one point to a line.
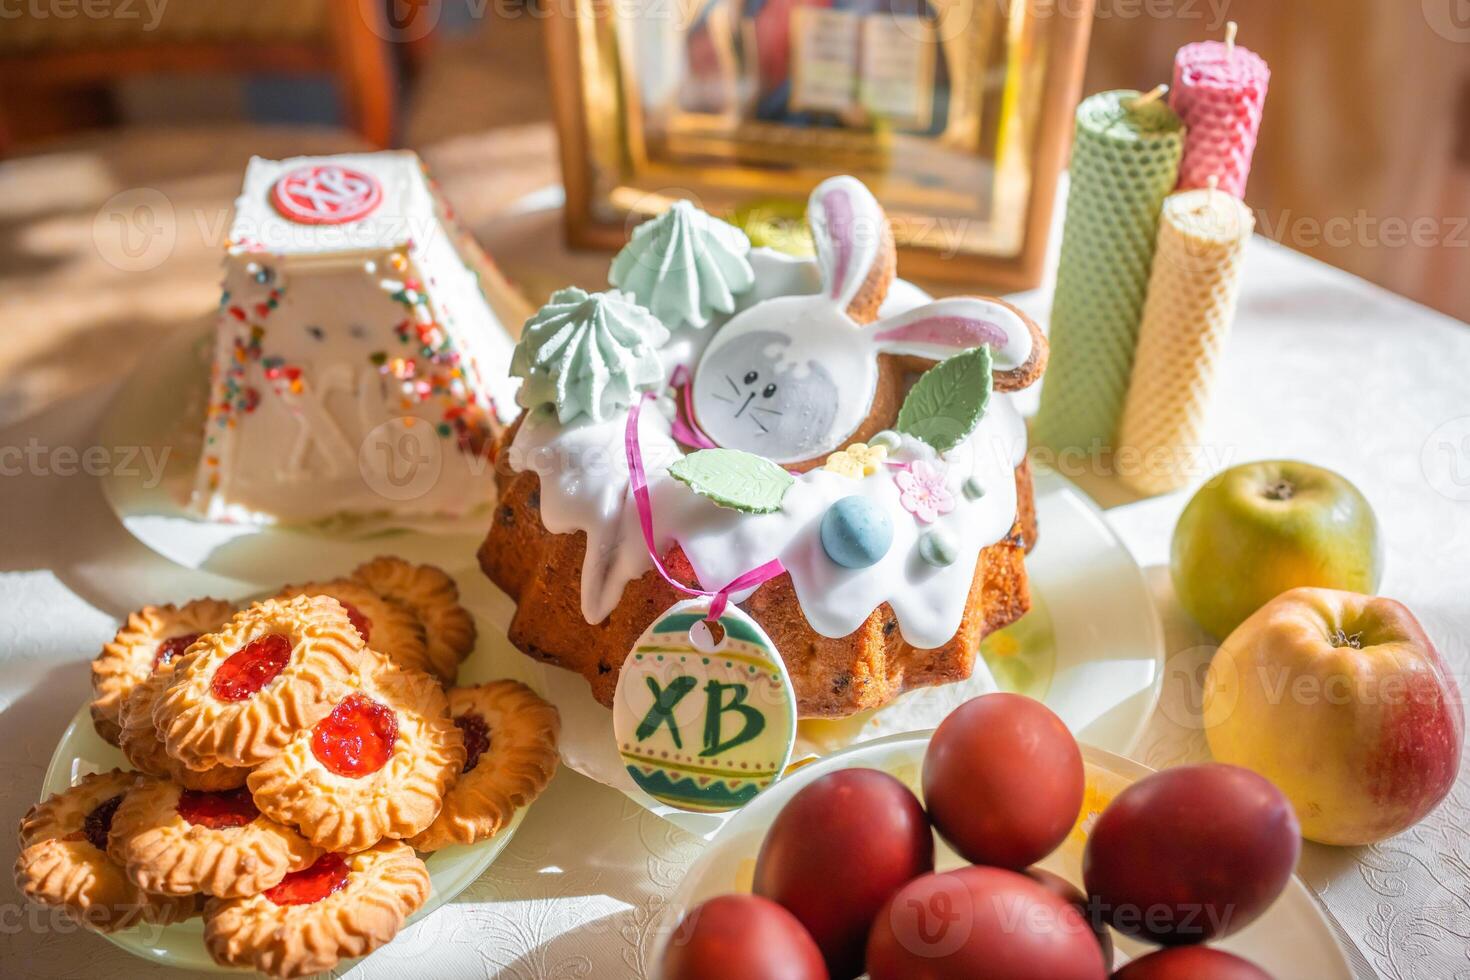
[1321, 367]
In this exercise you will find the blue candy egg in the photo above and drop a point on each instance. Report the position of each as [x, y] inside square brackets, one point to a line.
[856, 532]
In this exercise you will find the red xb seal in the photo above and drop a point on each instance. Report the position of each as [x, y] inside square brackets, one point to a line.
[326, 194]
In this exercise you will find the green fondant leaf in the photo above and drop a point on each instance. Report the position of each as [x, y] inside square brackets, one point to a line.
[734, 479]
[948, 400]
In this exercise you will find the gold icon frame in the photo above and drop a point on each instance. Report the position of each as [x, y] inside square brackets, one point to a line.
[957, 114]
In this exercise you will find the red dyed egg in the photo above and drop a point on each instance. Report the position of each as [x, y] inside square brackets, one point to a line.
[1003, 780]
[741, 937]
[981, 922]
[837, 851]
[1073, 896]
[1191, 963]
[1191, 854]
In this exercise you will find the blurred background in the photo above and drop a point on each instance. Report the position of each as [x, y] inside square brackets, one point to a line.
[109, 108]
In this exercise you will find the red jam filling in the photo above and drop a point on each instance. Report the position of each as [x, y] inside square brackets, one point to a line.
[251, 667]
[217, 811]
[476, 738]
[99, 822]
[361, 623]
[172, 647]
[357, 738]
[327, 876]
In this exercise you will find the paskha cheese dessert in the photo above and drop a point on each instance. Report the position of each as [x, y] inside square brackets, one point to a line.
[360, 350]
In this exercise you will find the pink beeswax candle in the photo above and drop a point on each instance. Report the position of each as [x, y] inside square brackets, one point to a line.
[1219, 89]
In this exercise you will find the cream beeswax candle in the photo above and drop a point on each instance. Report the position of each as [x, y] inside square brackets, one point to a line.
[1191, 303]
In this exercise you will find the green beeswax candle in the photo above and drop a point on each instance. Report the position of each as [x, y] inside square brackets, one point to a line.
[1125, 160]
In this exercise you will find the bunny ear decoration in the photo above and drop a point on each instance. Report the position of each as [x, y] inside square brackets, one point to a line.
[941, 329]
[854, 245]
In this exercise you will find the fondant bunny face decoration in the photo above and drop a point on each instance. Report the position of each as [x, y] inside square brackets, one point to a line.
[818, 357]
[768, 397]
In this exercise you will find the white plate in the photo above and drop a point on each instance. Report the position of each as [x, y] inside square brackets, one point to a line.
[155, 423]
[1291, 939]
[451, 870]
[1092, 649]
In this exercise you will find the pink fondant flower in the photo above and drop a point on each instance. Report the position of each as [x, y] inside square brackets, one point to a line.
[922, 492]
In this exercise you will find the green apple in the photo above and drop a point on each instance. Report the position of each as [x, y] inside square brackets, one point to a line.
[1258, 529]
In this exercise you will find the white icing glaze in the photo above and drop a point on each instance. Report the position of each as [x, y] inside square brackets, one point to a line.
[306, 309]
[584, 473]
[584, 486]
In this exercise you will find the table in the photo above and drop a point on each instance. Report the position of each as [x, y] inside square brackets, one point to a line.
[1322, 367]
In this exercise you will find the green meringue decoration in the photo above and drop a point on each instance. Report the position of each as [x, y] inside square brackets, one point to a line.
[588, 354]
[685, 266]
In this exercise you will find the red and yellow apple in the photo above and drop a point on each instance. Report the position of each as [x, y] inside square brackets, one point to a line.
[1258, 529]
[1344, 703]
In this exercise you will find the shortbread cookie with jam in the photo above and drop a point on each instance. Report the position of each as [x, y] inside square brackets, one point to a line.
[142, 747]
[510, 738]
[377, 766]
[246, 691]
[63, 860]
[384, 626]
[173, 841]
[342, 906]
[431, 595]
[152, 636]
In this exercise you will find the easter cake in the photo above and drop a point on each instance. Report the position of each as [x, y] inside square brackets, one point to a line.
[724, 409]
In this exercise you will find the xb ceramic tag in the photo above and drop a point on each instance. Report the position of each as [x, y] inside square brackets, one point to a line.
[704, 724]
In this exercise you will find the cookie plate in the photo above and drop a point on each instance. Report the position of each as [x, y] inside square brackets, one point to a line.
[1292, 938]
[451, 870]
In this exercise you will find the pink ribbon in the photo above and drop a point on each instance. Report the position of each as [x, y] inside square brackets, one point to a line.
[685, 429]
[638, 479]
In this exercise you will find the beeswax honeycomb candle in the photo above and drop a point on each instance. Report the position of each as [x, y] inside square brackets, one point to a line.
[1219, 91]
[1191, 303]
[1125, 160]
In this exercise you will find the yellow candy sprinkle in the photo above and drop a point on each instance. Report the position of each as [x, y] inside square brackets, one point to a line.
[857, 460]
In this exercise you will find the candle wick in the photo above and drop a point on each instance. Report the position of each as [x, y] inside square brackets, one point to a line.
[1230, 30]
[1153, 95]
